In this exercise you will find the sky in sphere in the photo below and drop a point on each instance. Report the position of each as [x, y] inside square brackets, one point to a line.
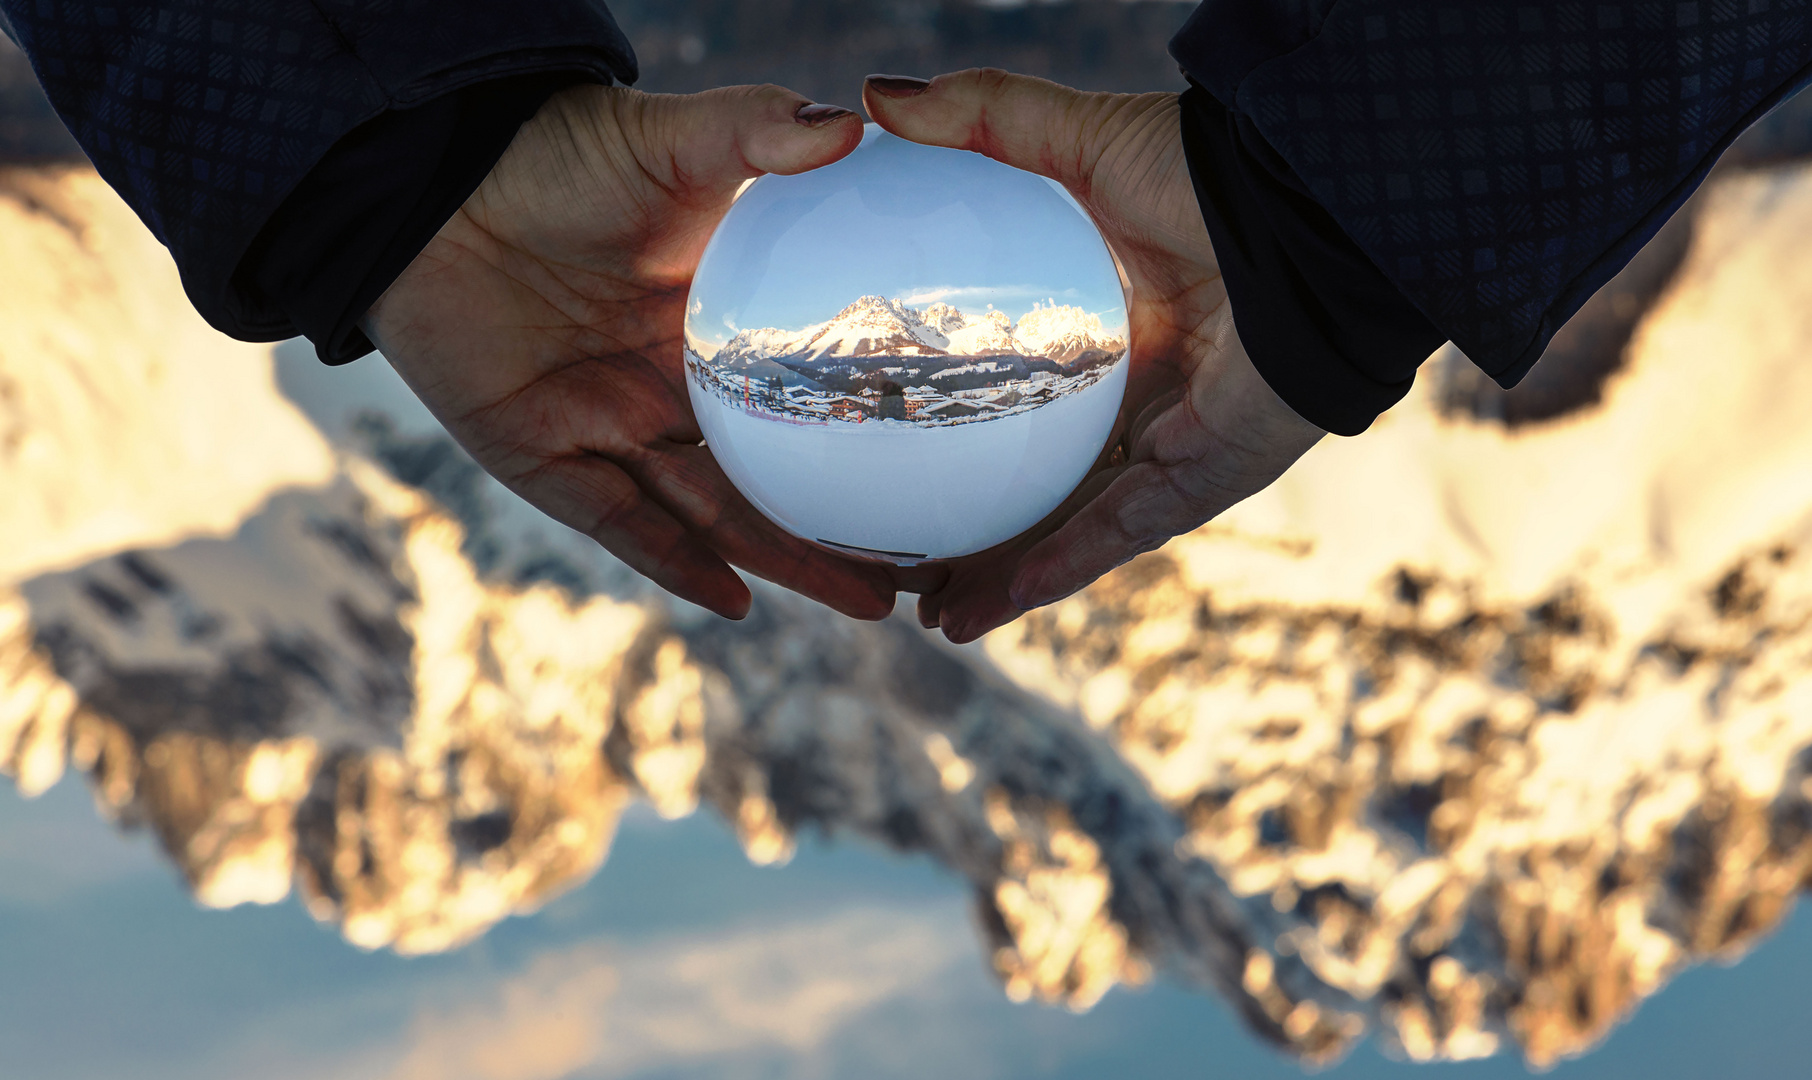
[914, 223]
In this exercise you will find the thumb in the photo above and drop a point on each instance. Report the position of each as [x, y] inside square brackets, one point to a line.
[737, 133]
[1028, 123]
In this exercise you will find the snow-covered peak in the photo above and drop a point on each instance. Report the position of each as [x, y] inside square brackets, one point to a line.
[878, 326]
[752, 345]
[878, 309]
[870, 326]
[698, 346]
[943, 318]
[987, 336]
[1062, 332]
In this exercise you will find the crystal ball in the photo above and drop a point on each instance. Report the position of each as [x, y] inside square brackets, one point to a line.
[912, 354]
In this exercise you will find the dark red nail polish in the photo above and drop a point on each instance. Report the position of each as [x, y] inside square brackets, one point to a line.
[814, 115]
[898, 86]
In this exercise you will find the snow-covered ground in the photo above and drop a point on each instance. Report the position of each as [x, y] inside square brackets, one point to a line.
[893, 486]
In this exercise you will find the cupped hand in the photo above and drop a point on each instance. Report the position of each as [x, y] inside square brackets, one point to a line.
[1200, 429]
[542, 326]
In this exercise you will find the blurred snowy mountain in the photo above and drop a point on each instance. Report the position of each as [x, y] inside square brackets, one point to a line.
[1464, 735]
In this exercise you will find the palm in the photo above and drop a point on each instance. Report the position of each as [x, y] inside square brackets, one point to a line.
[542, 327]
[1199, 429]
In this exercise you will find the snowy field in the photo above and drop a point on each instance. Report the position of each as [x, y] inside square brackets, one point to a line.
[920, 492]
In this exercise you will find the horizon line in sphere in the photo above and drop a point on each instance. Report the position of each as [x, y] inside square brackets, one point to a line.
[1122, 327]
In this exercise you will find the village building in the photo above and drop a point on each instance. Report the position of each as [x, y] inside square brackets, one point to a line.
[956, 409]
[873, 397]
[851, 409]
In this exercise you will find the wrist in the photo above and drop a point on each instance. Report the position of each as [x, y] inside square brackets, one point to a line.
[364, 214]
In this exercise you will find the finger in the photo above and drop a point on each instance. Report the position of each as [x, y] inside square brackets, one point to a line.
[1146, 505]
[1025, 122]
[596, 497]
[1197, 450]
[692, 486]
[981, 605]
[637, 418]
[720, 138]
[976, 599]
[929, 607]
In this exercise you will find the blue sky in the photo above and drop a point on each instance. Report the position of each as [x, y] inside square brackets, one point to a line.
[893, 219]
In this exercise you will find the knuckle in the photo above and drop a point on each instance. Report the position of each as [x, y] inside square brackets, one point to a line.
[608, 522]
[993, 78]
[611, 505]
[754, 94]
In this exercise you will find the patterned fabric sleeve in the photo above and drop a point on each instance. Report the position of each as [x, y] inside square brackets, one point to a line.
[1496, 163]
[206, 114]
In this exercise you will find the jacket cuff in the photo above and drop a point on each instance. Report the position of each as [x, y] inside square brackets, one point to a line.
[1327, 330]
[363, 61]
[369, 207]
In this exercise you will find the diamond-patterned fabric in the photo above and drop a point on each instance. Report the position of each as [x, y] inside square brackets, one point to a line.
[1499, 161]
[203, 114]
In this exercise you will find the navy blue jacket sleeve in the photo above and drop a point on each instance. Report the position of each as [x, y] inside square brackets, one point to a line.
[208, 115]
[1471, 172]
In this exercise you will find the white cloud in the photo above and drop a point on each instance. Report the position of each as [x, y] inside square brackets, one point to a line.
[614, 1012]
[704, 1004]
[883, 994]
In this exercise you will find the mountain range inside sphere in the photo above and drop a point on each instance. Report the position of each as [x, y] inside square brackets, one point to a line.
[880, 359]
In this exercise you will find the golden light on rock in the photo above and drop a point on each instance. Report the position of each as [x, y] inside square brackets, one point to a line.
[1475, 767]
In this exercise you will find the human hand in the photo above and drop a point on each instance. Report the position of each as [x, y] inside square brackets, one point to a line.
[542, 328]
[1200, 429]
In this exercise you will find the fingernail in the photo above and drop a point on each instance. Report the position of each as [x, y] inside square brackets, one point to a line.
[819, 115]
[898, 86]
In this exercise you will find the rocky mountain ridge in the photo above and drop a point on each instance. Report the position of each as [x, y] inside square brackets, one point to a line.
[1474, 768]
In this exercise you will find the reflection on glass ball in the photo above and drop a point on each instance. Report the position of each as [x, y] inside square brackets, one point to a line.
[912, 354]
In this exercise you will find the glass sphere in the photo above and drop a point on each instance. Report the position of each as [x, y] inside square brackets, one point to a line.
[912, 354]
